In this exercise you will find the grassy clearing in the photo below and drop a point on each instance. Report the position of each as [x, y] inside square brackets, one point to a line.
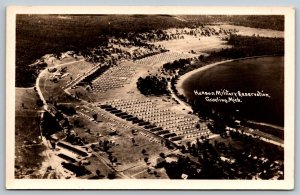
[28, 147]
[76, 67]
[27, 116]
[52, 89]
[26, 96]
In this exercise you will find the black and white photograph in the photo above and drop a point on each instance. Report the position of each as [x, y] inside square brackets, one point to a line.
[150, 97]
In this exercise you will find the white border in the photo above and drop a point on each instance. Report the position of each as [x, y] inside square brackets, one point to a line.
[289, 99]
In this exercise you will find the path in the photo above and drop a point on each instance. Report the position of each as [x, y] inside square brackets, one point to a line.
[182, 103]
[49, 153]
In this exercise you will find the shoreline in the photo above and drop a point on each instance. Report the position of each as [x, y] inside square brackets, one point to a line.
[277, 127]
[183, 78]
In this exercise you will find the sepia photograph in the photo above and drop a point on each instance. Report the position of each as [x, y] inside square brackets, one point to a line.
[150, 98]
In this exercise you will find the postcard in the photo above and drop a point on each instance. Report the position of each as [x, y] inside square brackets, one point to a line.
[161, 97]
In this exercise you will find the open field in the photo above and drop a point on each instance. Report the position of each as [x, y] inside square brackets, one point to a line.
[198, 44]
[72, 68]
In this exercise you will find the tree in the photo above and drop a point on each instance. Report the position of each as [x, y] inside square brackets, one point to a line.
[65, 123]
[111, 175]
[143, 151]
[146, 159]
[110, 157]
[115, 160]
[133, 141]
[39, 103]
[95, 116]
[98, 172]
[183, 149]
[162, 155]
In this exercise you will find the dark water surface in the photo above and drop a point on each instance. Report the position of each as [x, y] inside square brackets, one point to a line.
[251, 75]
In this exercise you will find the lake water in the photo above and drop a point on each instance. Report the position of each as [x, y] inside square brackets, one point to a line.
[251, 75]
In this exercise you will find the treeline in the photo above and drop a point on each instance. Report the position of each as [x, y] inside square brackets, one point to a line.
[177, 64]
[274, 22]
[255, 45]
[247, 46]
